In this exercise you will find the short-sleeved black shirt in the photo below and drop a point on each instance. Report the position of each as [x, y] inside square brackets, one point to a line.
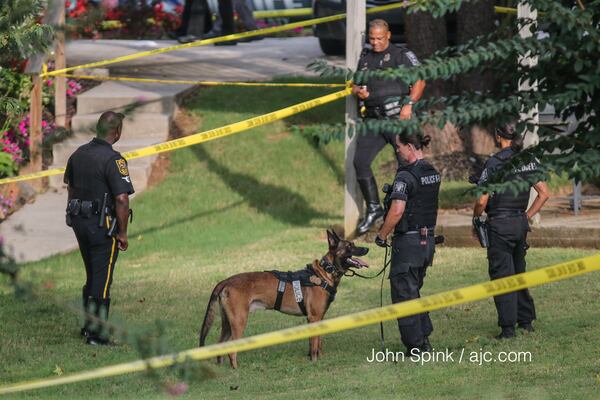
[507, 200]
[404, 186]
[497, 161]
[94, 169]
[392, 57]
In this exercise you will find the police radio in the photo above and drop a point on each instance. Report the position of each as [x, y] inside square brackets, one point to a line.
[387, 201]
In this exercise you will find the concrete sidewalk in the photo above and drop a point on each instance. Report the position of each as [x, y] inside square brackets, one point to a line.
[260, 60]
[559, 226]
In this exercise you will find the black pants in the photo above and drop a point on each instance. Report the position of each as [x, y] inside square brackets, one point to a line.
[182, 30]
[407, 286]
[226, 13]
[506, 257]
[409, 265]
[367, 148]
[99, 253]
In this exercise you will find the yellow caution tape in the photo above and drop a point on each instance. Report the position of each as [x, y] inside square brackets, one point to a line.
[299, 12]
[258, 32]
[293, 12]
[505, 10]
[204, 136]
[201, 83]
[220, 39]
[399, 310]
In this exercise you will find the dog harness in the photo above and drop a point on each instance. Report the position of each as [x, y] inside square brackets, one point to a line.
[302, 278]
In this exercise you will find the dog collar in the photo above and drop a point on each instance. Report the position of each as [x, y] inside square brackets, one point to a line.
[327, 266]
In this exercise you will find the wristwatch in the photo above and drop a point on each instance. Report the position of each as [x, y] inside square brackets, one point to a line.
[410, 102]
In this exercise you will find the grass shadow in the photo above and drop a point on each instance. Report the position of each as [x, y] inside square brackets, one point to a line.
[276, 201]
[188, 218]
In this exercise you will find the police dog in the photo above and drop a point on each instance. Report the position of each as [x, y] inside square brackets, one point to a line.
[243, 293]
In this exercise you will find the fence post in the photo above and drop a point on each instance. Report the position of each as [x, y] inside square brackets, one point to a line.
[60, 62]
[35, 132]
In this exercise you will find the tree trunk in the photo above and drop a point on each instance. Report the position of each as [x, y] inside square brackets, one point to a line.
[475, 19]
[424, 36]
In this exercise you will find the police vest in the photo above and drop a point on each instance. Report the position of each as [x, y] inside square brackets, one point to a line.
[507, 200]
[381, 89]
[422, 204]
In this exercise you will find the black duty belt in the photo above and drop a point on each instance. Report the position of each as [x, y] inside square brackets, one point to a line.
[415, 230]
[84, 208]
[502, 215]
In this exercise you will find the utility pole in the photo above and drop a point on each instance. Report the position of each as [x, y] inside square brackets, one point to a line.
[356, 21]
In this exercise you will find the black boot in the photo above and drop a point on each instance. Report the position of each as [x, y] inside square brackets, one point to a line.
[426, 346]
[98, 336]
[526, 326]
[508, 332]
[85, 299]
[368, 187]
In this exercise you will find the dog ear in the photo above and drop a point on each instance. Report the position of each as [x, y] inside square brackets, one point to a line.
[332, 239]
[335, 234]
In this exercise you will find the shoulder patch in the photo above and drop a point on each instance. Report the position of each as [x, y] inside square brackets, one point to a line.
[412, 57]
[399, 187]
[122, 166]
[484, 176]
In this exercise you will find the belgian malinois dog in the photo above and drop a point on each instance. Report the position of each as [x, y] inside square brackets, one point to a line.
[243, 293]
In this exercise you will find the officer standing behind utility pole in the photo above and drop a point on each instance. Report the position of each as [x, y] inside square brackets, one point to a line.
[98, 211]
[412, 206]
[507, 227]
[381, 99]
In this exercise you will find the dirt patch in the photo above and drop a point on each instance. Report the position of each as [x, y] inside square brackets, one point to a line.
[454, 166]
[160, 169]
[184, 124]
[276, 137]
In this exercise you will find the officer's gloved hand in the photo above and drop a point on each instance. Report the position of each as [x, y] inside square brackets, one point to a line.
[381, 242]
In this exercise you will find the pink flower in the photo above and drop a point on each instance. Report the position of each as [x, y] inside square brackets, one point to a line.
[49, 82]
[176, 389]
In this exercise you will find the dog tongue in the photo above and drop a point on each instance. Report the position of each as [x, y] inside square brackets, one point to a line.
[359, 262]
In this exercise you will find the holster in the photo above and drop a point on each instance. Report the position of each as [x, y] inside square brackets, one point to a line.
[85, 208]
[481, 228]
[387, 202]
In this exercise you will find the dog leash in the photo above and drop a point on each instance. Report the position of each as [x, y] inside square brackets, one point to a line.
[386, 263]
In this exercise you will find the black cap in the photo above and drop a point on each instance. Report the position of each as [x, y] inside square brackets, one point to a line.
[506, 132]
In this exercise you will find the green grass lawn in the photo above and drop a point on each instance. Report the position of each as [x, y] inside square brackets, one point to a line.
[262, 200]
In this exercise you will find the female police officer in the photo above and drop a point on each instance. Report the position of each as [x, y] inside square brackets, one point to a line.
[412, 216]
[507, 229]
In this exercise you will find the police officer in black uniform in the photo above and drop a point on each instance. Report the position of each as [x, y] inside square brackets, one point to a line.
[98, 211]
[412, 205]
[381, 99]
[507, 227]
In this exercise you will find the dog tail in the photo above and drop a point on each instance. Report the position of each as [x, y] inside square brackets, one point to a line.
[210, 312]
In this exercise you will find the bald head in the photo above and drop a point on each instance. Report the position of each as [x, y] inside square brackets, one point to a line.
[379, 35]
[109, 125]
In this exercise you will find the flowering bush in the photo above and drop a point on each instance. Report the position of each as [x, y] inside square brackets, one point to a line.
[128, 19]
[6, 204]
[15, 140]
